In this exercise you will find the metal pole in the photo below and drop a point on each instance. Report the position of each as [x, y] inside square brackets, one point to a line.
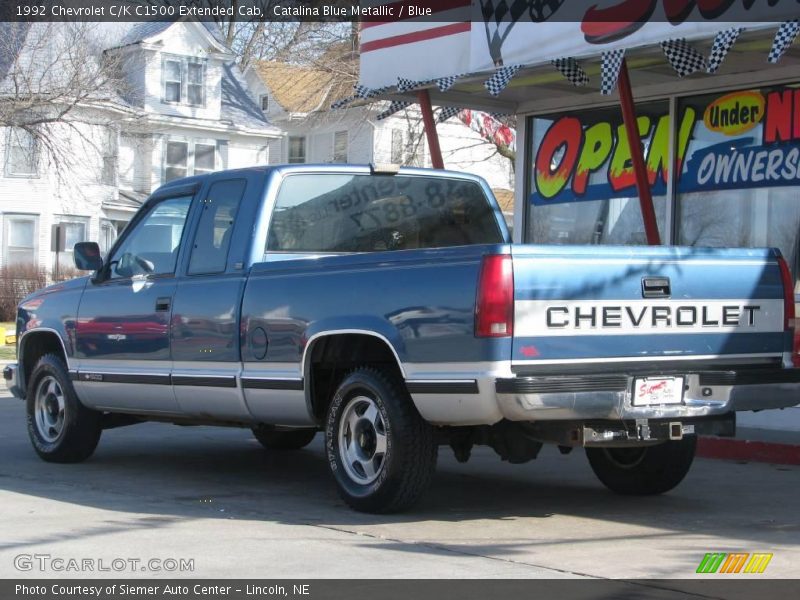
[637, 156]
[424, 100]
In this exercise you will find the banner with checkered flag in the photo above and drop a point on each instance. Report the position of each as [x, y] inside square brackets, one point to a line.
[499, 18]
[723, 42]
[785, 37]
[498, 82]
[609, 70]
[683, 58]
[394, 107]
[447, 112]
[570, 69]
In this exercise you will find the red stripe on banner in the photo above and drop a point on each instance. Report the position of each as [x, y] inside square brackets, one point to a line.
[737, 449]
[439, 6]
[416, 36]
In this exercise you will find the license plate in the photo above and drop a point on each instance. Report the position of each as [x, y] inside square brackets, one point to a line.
[657, 390]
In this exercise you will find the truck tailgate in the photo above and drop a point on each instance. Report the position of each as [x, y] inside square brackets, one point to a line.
[598, 304]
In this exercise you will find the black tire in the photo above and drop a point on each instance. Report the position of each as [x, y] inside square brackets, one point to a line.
[644, 471]
[75, 429]
[405, 468]
[283, 439]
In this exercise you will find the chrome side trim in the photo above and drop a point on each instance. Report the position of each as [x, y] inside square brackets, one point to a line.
[660, 358]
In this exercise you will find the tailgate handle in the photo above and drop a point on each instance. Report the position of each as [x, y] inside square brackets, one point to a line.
[655, 287]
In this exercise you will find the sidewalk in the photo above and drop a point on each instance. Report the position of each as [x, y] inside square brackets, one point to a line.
[755, 445]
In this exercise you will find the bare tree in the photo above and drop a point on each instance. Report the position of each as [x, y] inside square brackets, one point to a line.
[53, 79]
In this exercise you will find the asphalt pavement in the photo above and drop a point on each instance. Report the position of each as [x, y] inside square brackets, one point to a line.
[214, 496]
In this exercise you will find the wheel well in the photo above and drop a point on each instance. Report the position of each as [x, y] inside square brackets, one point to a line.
[36, 345]
[331, 357]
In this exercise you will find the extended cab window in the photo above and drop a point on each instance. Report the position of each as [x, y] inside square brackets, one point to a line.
[370, 213]
[151, 248]
[213, 237]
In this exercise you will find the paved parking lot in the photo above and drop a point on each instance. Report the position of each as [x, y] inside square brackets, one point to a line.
[215, 496]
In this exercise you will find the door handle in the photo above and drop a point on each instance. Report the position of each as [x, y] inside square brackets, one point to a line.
[162, 304]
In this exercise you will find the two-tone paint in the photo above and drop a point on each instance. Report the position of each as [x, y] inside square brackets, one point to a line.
[237, 346]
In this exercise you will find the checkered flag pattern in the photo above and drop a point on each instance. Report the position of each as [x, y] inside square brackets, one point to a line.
[343, 102]
[785, 37]
[609, 71]
[498, 82]
[364, 92]
[361, 91]
[723, 42]
[445, 83]
[683, 58]
[570, 69]
[406, 85]
[502, 10]
[447, 112]
[394, 107]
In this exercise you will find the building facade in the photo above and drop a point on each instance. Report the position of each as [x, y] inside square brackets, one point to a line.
[298, 100]
[182, 108]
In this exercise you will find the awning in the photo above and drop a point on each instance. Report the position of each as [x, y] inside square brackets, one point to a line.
[481, 53]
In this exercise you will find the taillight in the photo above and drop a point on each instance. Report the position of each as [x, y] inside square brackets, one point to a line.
[494, 307]
[788, 309]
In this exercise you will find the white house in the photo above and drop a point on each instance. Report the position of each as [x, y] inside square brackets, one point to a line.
[298, 100]
[183, 109]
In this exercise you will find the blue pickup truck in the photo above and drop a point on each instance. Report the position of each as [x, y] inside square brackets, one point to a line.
[388, 309]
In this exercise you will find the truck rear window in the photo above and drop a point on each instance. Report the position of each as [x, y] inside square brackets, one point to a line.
[371, 213]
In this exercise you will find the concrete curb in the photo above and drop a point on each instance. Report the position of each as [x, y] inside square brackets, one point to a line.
[748, 450]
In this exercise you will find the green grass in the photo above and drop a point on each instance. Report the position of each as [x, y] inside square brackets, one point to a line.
[8, 352]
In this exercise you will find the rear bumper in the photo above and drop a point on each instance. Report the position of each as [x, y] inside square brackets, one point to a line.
[11, 375]
[605, 396]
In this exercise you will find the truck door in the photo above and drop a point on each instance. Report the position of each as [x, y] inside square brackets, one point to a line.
[205, 324]
[122, 333]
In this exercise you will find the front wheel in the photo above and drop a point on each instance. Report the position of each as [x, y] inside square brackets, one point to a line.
[643, 471]
[381, 452]
[61, 429]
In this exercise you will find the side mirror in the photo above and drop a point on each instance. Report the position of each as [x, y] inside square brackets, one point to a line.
[87, 256]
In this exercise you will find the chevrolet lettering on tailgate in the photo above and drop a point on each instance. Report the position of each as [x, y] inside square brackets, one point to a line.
[386, 311]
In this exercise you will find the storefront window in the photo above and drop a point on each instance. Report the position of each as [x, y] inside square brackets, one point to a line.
[583, 189]
[740, 182]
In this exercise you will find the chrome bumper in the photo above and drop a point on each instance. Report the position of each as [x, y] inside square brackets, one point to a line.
[11, 375]
[609, 396]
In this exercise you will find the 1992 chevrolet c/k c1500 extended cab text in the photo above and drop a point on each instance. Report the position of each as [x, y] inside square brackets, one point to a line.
[389, 310]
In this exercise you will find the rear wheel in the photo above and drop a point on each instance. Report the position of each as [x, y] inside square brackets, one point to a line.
[381, 452]
[283, 439]
[61, 429]
[643, 471]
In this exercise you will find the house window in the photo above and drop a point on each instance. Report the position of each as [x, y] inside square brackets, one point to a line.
[183, 158]
[184, 81]
[108, 173]
[204, 158]
[20, 236]
[21, 153]
[108, 235]
[173, 85]
[176, 162]
[297, 149]
[264, 100]
[397, 146]
[340, 147]
[72, 231]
